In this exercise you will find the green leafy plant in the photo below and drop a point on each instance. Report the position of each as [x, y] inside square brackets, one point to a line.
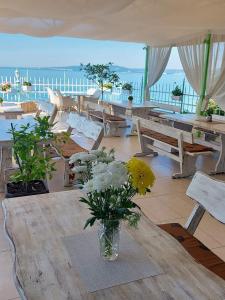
[1, 100]
[27, 83]
[101, 74]
[177, 91]
[130, 98]
[212, 108]
[127, 87]
[30, 144]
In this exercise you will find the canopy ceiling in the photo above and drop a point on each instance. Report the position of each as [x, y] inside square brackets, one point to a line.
[156, 22]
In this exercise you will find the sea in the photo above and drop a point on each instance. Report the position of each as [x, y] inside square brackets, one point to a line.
[41, 77]
[170, 76]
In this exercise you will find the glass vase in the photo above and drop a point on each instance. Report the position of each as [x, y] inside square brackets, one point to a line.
[109, 237]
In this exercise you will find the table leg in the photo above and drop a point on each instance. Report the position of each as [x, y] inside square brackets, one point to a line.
[220, 165]
[5, 163]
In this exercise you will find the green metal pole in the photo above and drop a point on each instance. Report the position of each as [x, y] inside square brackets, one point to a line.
[146, 68]
[207, 43]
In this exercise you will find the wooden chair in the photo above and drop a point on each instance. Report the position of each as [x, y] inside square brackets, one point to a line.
[63, 103]
[177, 144]
[85, 135]
[210, 196]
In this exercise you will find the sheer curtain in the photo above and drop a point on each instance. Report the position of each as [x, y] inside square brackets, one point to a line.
[192, 59]
[157, 61]
[215, 87]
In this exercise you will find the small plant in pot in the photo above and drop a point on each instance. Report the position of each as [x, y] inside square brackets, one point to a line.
[6, 87]
[127, 87]
[210, 110]
[30, 145]
[108, 86]
[26, 86]
[130, 98]
[177, 93]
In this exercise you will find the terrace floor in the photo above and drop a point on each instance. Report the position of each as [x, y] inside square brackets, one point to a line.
[167, 203]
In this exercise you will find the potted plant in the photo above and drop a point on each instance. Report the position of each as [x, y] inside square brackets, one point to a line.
[30, 144]
[1, 101]
[206, 115]
[101, 74]
[109, 192]
[108, 86]
[130, 98]
[6, 87]
[127, 87]
[177, 93]
[26, 86]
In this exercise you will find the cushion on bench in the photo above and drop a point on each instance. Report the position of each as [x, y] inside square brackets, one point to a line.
[192, 148]
[196, 249]
[109, 118]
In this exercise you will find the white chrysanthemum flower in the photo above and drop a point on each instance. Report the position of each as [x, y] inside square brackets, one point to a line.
[99, 168]
[102, 182]
[79, 169]
[89, 186]
[117, 167]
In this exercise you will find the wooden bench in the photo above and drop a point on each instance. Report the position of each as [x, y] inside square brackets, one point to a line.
[46, 108]
[85, 135]
[210, 197]
[178, 145]
[113, 125]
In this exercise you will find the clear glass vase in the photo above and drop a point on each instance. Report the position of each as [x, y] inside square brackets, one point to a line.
[109, 238]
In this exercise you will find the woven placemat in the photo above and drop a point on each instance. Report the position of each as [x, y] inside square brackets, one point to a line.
[132, 264]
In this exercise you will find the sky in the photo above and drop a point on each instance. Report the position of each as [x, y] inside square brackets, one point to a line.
[25, 51]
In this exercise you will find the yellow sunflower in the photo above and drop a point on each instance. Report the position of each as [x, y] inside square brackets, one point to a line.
[142, 176]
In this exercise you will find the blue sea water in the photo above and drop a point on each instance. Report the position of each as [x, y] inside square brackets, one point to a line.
[64, 76]
[130, 76]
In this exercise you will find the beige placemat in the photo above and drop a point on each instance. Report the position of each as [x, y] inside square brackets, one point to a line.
[132, 264]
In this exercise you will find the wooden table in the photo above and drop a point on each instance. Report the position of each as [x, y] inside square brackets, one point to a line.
[127, 108]
[11, 112]
[43, 269]
[6, 144]
[214, 126]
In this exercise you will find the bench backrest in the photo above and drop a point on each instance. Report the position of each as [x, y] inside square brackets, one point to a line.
[210, 196]
[47, 109]
[87, 128]
[166, 130]
[209, 193]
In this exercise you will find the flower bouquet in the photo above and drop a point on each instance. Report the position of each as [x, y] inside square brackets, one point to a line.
[110, 189]
[6, 87]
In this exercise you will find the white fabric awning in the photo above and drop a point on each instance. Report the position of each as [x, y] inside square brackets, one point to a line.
[155, 22]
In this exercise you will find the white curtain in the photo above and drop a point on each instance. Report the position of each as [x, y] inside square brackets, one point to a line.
[192, 59]
[157, 61]
[215, 87]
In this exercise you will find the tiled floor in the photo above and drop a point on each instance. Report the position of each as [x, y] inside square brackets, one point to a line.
[167, 203]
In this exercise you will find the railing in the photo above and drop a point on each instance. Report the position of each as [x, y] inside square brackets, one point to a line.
[160, 92]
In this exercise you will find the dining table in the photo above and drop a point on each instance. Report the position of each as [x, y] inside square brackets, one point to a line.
[6, 144]
[47, 232]
[216, 126]
[129, 108]
[11, 111]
